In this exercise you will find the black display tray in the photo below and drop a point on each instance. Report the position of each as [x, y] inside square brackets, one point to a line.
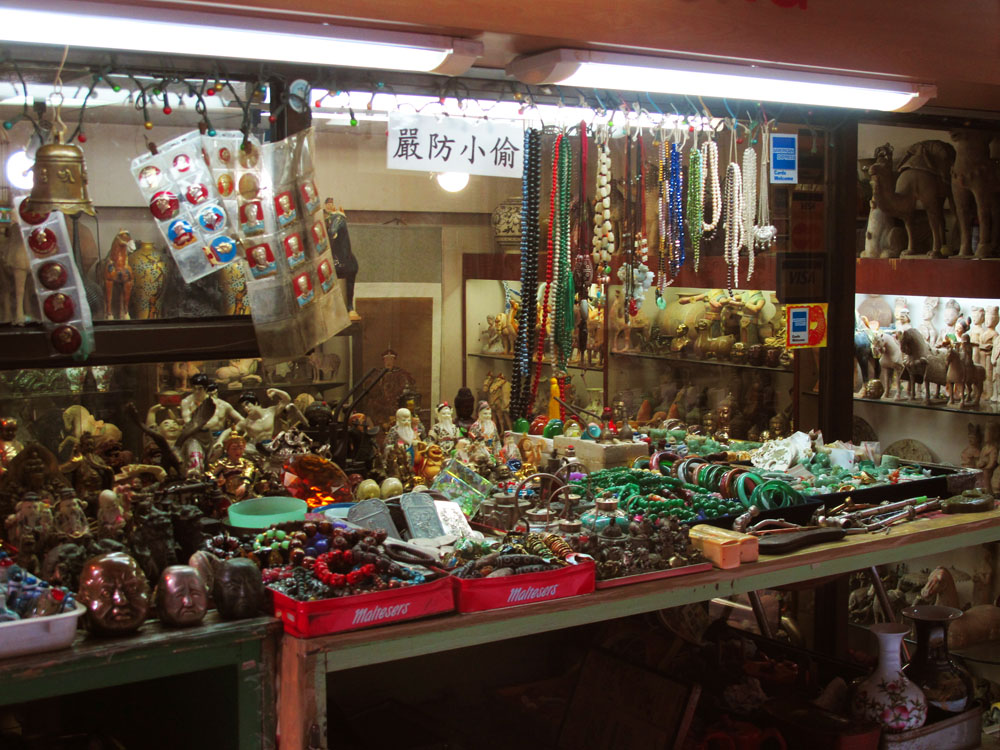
[944, 481]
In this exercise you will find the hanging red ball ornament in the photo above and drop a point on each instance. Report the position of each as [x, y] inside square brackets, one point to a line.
[210, 92]
[82, 137]
[168, 110]
[272, 118]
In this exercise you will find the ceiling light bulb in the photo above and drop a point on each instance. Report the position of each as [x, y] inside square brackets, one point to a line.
[453, 182]
[587, 69]
[18, 169]
[120, 28]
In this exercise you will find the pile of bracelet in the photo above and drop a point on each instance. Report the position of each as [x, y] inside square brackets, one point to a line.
[750, 488]
[354, 563]
[518, 554]
[649, 543]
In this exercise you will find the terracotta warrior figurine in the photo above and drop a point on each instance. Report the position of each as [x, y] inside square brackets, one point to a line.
[988, 344]
[970, 456]
[927, 329]
[952, 312]
[902, 313]
[989, 454]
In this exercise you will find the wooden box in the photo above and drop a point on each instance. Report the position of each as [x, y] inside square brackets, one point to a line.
[598, 456]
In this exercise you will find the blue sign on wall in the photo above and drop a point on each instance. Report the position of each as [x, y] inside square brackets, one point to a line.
[784, 158]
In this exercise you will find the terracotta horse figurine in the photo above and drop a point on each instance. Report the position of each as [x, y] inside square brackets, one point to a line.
[118, 273]
[885, 349]
[922, 364]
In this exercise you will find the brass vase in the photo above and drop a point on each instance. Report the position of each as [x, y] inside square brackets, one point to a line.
[149, 278]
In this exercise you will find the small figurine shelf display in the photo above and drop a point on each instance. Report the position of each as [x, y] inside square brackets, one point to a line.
[949, 359]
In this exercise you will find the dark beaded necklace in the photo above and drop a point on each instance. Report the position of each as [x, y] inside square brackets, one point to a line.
[528, 312]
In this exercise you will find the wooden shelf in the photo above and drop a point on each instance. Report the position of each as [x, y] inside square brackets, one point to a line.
[985, 407]
[692, 361]
[141, 341]
[547, 362]
[117, 392]
[91, 663]
[302, 693]
[920, 275]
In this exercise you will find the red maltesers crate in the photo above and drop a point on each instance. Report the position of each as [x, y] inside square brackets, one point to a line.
[479, 594]
[326, 616]
[655, 575]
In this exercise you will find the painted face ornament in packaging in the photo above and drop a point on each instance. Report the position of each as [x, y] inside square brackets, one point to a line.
[183, 196]
[325, 273]
[58, 284]
[261, 260]
[304, 291]
[295, 249]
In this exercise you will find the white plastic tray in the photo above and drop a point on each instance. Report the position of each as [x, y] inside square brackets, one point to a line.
[38, 634]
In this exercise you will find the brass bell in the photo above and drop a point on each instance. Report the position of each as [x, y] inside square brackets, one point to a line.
[60, 179]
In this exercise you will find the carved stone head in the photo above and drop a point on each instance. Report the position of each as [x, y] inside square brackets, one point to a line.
[115, 593]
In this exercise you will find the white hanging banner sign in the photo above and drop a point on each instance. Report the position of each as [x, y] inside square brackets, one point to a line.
[425, 143]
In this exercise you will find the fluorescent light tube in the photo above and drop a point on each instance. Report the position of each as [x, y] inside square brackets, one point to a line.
[122, 28]
[608, 70]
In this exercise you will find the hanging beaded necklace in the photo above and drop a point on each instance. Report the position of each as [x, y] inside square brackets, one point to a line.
[528, 312]
[733, 223]
[764, 232]
[710, 173]
[662, 191]
[551, 273]
[749, 205]
[694, 215]
[604, 237]
[676, 212]
[565, 293]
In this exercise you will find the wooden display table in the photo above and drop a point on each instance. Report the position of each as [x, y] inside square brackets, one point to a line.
[248, 646]
[304, 663]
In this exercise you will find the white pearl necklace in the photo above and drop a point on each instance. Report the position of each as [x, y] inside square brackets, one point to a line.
[733, 223]
[604, 236]
[764, 233]
[710, 171]
[749, 205]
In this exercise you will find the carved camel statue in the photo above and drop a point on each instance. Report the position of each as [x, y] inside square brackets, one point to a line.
[923, 178]
[975, 179]
[15, 278]
[118, 273]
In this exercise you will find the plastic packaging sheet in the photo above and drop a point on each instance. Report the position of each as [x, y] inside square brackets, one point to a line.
[225, 198]
[57, 280]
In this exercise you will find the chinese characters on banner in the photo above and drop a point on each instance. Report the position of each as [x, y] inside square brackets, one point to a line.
[454, 144]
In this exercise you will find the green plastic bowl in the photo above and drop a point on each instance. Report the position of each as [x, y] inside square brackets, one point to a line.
[261, 512]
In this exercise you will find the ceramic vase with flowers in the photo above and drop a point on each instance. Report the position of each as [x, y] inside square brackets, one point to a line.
[887, 697]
